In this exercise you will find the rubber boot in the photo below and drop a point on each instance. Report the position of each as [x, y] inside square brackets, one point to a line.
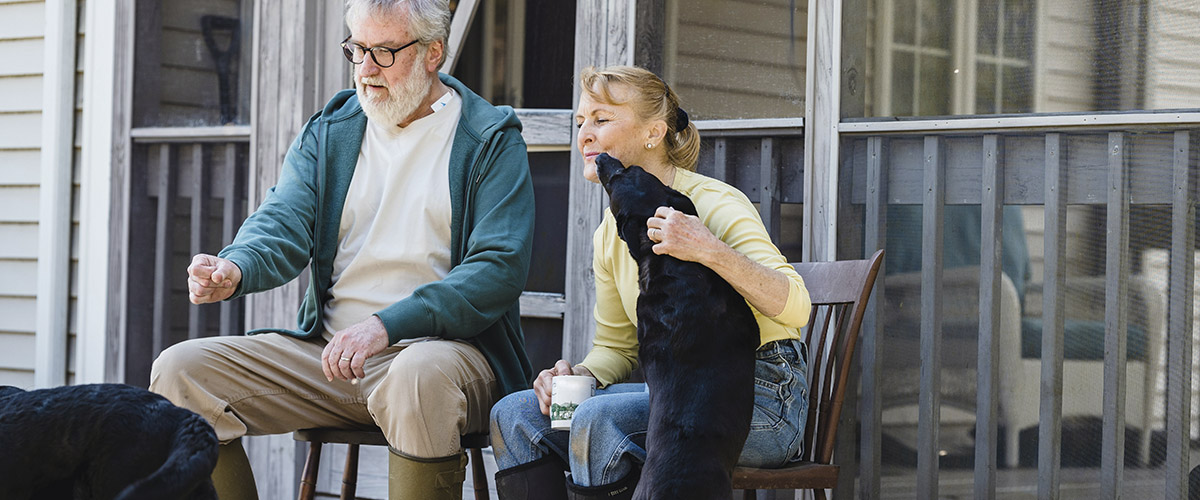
[620, 490]
[412, 478]
[541, 479]
[232, 477]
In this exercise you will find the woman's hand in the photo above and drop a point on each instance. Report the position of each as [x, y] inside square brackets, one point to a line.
[685, 237]
[682, 236]
[542, 385]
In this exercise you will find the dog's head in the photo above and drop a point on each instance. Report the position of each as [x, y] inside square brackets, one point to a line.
[634, 196]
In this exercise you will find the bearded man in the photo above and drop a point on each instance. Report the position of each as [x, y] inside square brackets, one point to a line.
[410, 200]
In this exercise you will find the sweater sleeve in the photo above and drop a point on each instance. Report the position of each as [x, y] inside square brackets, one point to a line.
[614, 350]
[275, 243]
[734, 220]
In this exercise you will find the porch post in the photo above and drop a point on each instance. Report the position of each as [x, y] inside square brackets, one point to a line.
[602, 38]
[289, 85]
[54, 216]
[822, 103]
[104, 170]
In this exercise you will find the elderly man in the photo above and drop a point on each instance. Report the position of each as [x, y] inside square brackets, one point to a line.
[410, 200]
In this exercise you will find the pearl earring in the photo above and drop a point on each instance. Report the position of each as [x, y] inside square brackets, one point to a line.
[649, 145]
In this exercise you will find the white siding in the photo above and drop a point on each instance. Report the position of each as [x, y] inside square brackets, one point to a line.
[729, 59]
[1172, 75]
[1064, 56]
[73, 321]
[21, 29]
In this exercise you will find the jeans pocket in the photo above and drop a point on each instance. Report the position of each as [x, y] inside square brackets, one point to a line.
[772, 392]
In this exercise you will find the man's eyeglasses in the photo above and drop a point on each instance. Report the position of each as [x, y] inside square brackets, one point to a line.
[383, 56]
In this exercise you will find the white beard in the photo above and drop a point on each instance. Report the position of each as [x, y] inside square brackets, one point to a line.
[401, 100]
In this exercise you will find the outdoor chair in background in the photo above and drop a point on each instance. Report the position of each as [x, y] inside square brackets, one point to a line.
[474, 443]
[839, 292]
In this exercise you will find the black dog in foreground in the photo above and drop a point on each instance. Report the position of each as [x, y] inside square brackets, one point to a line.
[697, 338]
[101, 442]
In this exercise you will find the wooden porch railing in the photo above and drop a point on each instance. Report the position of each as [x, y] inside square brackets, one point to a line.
[1054, 168]
[187, 196]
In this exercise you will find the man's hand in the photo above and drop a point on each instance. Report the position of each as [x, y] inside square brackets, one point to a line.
[344, 356]
[212, 279]
[542, 385]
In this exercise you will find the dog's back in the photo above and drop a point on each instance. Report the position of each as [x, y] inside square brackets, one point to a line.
[103, 441]
[697, 339]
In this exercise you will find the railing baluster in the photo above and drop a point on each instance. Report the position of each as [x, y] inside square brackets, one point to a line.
[768, 205]
[988, 370]
[1116, 292]
[162, 247]
[1050, 411]
[200, 187]
[229, 221]
[721, 160]
[1179, 335]
[930, 398]
[876, 235]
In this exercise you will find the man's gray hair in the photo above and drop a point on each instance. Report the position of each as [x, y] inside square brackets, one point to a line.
[428, 20]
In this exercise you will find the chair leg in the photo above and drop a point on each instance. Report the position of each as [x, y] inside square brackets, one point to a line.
[749, 494]
[350, 474]
[820, 493]
[479, 474]
[308, 481]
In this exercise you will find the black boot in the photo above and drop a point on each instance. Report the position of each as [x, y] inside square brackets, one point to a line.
[541, 479]
[620, 490]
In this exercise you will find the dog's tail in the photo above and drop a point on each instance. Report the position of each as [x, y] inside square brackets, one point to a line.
[186, 472]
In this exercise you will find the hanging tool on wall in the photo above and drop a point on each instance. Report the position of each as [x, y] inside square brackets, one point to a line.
[224, 60]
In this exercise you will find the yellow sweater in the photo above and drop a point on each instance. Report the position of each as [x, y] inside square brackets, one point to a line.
[732, 218]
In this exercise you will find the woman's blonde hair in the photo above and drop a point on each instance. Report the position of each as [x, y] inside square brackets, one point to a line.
[652, 100]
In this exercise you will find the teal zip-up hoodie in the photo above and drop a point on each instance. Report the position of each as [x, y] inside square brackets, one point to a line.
[491, 195]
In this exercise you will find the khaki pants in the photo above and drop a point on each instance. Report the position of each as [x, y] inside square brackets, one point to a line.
[424, 396]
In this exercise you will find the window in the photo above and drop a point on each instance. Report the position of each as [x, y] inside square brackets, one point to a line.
[964, 57]
[731, 60]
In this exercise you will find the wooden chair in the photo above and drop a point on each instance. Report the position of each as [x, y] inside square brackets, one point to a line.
[839, 292]
[474, 443]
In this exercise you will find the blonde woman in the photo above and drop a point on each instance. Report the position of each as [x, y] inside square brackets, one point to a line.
[632, 115]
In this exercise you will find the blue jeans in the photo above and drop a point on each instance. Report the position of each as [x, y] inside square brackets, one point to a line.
[608, 431]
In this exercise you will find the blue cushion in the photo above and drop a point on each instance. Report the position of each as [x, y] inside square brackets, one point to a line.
[1081, 340]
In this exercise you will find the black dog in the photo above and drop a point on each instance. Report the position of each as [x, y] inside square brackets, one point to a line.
[101, 442]
[696, 338]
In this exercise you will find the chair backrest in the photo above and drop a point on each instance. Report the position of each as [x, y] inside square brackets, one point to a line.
[839, 291]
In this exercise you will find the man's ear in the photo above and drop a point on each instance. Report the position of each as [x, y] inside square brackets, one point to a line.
[433, 55]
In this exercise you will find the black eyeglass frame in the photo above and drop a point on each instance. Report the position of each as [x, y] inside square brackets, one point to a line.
[349, 53]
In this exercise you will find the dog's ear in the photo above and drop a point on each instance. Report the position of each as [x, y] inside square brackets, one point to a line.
[8, 390]
[632, 233]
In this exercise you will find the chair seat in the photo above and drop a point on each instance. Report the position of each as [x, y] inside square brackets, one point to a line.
[797, 475]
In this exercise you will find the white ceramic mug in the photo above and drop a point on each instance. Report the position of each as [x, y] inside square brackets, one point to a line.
[566, 393]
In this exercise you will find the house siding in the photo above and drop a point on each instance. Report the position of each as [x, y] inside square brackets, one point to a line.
[1064, 57]
[1172, 77]
[21, 51]
[722, 55]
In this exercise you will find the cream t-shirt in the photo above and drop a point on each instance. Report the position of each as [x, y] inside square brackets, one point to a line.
[394, 234]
